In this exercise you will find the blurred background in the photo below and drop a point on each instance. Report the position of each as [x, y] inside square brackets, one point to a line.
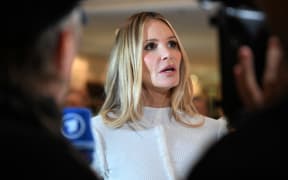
[193, 26]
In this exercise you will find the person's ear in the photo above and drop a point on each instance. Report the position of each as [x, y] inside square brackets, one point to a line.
[65, 53]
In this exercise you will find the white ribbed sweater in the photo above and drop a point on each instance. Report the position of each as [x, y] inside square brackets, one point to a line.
[164, 150]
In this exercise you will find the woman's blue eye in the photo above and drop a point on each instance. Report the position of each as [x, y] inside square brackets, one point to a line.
[150, 46]
[173, 44]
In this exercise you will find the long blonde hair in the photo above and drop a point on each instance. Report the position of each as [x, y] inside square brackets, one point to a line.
[123, 86]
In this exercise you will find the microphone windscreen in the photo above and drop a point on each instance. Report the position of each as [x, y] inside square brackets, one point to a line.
[76, 128]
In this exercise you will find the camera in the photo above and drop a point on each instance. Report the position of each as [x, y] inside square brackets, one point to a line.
[238, 23]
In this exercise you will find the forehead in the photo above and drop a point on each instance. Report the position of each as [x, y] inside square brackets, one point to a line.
[154, 28]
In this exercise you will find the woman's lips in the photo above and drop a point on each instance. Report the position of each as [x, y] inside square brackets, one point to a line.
[168, 69]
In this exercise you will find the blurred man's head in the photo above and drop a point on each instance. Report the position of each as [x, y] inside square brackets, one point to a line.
[38, 45]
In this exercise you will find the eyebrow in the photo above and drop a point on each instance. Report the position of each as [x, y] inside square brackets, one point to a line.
[172, 37]
[152, 40]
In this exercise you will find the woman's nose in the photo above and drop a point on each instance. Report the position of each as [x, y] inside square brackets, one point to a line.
[165, 53]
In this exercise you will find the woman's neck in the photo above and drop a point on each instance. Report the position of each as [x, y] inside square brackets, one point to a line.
[153, 98]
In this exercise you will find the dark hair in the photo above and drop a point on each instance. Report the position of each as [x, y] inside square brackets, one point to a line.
[29, 39]
[27, 19]
[29, 59]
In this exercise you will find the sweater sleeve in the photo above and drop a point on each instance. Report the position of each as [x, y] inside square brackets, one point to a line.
[99, 163]
[222, 129]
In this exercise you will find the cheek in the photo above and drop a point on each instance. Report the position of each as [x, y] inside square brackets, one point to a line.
[148, 62]
[149, 66]
[178, 55]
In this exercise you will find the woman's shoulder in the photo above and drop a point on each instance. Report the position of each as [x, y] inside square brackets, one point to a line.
[220, 125]
[208, 121]
[99, 125]
[97, 118]
[213, 121]
[97, 122]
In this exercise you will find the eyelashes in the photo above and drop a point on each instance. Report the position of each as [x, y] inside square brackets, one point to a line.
[173, 44]
[150, 46]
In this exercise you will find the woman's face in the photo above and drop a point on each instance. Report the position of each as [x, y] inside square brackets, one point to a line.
[161, 56]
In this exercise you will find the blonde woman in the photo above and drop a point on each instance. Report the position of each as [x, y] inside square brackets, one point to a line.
[148, 127]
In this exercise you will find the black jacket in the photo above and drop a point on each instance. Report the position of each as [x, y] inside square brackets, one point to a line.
[257, 149]
[31, 143]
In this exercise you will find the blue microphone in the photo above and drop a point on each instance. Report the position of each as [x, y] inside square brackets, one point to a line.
[77, 129]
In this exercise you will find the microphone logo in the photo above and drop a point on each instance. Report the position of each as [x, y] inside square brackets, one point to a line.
[77, 129]
[73, 125]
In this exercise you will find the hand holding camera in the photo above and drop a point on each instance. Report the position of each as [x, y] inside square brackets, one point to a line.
[252, 95]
